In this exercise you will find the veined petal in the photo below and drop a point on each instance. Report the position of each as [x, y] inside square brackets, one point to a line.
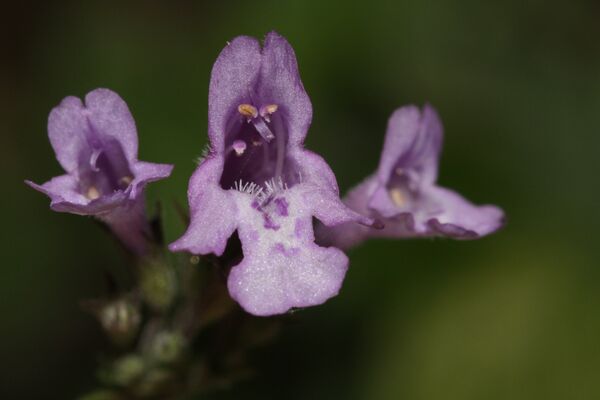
[213, 212]
[232, 82]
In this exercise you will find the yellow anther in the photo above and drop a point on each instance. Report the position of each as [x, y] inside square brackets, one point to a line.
[92, 193]
[398, 197]
[271, 108]
[248, 110]
[126, 180]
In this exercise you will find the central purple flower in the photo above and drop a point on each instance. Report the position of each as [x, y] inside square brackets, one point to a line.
[259, 180]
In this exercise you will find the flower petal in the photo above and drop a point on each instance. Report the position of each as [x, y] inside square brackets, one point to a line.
[231, 83]
[322, 191]
[75, 129]
[282, 266]
[444, 213]
[280, 84]
[111, 119]
[213, 212]
[67, 127]
[350, 234]
[62, 188]
[413, 141]
[146, 172]
[65, 197]
[461, 219]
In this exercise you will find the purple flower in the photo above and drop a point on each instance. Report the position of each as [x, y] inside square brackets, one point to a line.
[259, 180]
[96, 143]
[403, 190]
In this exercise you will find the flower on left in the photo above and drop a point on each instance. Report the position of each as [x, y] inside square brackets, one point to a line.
[96, 143]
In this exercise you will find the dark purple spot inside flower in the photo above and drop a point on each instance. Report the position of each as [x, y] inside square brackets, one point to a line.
[281, 205]
[269, 223]
[289, 252]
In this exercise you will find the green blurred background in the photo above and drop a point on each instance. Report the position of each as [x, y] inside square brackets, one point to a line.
[517, 83]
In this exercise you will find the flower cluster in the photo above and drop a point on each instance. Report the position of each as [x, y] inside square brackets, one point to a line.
[258, 180]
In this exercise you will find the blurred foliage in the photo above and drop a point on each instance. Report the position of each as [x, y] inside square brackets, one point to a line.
[518, 87]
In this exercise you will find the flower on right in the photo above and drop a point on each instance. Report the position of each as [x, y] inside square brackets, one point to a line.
[403, 192]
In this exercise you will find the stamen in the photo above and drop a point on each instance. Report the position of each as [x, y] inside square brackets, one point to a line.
[399, 171]
[263, 129]
[125, 180]
[92, 193]
[248, 110]
[266, 111]
[398, 197]
[239, 146]
[271, 108]
[94, 160]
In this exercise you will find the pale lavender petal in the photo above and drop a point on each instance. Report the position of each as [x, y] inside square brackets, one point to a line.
[298, 277]
[231, 84]
[321, 190]
[146, 172]
[402, 129]
[280, 84]
[67, 131]
[65, 197]
[413, 142]
[61, 189]
[282, 267]
[437, 212]
[213, 212]
[428, 157]
[350, 234]
[110, 118]
[461, 219]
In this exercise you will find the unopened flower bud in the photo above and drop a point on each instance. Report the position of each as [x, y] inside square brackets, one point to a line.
[126, 370]
[121, 320]
[158, 285]
[167, 347]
